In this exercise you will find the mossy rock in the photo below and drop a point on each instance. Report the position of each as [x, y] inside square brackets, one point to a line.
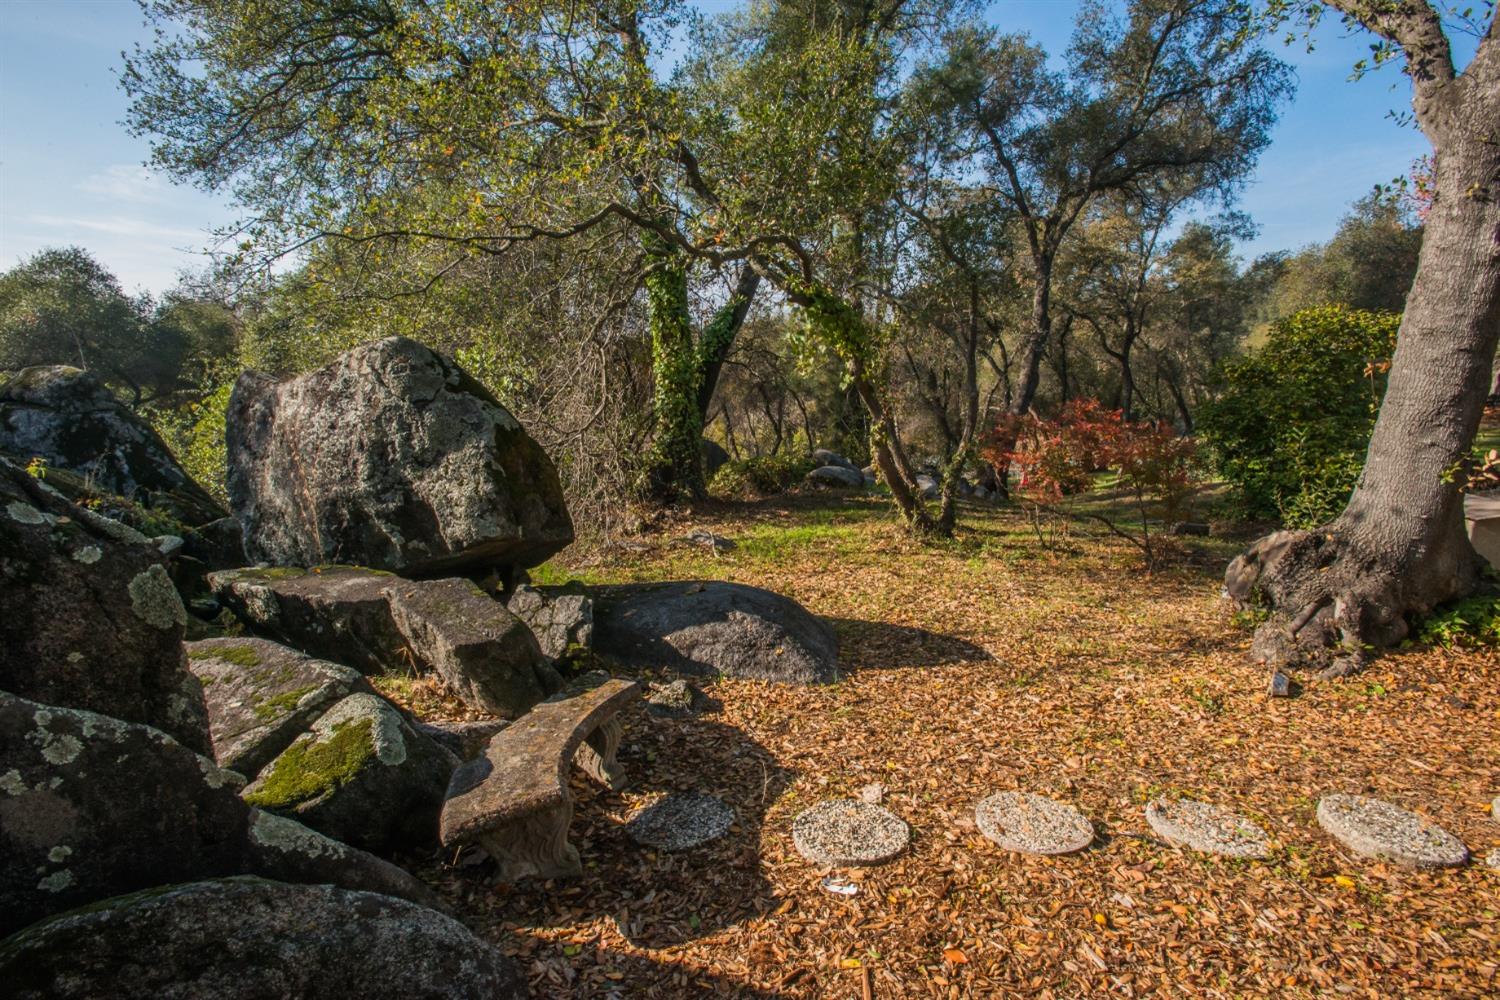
[261, 696]
[362, 775]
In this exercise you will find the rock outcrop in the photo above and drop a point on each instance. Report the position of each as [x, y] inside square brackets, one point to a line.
[823, 458]
[261, 696]
[338, 613]
[485, 654]
[559, 617]
[362, 775]
[394, 458]
[72, 421]
[378, 622]
[92, 807]
[285, 850]
[709, 627]
[836, 476]
[91, 619]
[252, 939]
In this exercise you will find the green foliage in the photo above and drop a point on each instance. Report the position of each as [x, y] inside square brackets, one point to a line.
[194, 432]
[1292, 422]
[62, 307]
[37, 467]
[759, 476]
[1369, 264]
[675, 467]
[1473, 621]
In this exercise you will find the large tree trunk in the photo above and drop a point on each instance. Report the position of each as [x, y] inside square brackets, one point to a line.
[685, 371]
[1399, 547]
[674, 467]
[718, 336]
[1030, 374]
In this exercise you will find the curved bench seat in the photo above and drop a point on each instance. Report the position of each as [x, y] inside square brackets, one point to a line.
[513, 799]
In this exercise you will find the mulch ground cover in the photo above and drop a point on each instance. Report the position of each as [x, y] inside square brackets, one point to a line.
[990, 664]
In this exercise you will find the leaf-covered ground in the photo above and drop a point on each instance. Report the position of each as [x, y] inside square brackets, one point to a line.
[991, 664]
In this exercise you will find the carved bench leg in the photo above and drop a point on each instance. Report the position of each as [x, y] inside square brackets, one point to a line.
[596, 756]
[535, 846]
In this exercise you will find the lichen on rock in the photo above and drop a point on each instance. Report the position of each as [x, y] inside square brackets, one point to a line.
[155, 600]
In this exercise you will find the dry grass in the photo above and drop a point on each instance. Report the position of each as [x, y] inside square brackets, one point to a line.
[988, 664]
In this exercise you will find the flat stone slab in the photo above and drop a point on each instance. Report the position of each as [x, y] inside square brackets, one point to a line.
[1493, 860]
[845, 832]
[1380, 830]
[679, 822]
[1208, 828]
[1495, 809]
[1032, 824]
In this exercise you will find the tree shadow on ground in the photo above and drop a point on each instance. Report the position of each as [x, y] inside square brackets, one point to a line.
[865, 645]
[656, 899]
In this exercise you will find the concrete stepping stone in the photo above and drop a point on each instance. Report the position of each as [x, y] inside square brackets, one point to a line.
[1208, 828]
[1032, 824]
[1495, 809]
[1493, 860]
[679, 822]
[1380, 830]
[845, 832]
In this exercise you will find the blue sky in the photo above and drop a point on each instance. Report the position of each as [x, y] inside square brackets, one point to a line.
[70, 174]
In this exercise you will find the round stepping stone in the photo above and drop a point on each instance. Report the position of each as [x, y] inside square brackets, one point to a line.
[1493, 860]
[1208, 828]
[844, 832]
[1031, 824]
[1495, 809]
[1380, 830]
[678, 822]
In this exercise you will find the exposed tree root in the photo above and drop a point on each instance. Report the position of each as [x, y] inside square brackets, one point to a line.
[1334, 601]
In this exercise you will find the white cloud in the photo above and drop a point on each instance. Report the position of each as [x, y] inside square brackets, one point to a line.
[127, 182]
[121, 225]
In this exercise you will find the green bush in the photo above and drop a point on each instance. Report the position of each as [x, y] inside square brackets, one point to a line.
[760, 476]
[1473, 621]
[1292, 420]
[195, 433]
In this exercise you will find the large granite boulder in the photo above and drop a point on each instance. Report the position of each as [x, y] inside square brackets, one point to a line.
[362, 774]
[485, 654]
[714, 457]
[559, 617]
[71, 420]
[338, 613]
[378, 622]
[261, 696]
[91, 619]
[251, 939]
[285, 850]
[709, 627]
[824, 458]
[390, 457]
[836, 477]
[91, 807]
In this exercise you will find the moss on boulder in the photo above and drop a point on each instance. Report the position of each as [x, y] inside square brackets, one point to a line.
[362, 775]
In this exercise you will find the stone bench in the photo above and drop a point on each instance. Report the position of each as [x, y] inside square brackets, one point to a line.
[513, 800]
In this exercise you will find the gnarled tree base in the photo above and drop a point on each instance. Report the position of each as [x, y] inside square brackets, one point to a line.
[1335, 598]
